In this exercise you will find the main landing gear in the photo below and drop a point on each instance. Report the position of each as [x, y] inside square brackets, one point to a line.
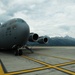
[29, 49]
[18, 52]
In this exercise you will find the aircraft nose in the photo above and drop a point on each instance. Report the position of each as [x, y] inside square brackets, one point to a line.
[24, 28]
[23, 31]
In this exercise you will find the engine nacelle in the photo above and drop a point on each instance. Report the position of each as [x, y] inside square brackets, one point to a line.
[33, 37]
[43, 40]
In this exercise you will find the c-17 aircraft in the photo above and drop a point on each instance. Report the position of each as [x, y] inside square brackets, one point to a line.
[15, 33]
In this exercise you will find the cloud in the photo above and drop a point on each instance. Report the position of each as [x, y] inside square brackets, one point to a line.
[65, 28]
[45, 17]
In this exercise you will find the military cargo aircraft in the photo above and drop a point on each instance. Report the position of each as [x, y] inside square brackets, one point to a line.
[15, 33]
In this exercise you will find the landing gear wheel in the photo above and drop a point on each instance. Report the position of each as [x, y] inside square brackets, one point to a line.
[16, 53]
[20, 52]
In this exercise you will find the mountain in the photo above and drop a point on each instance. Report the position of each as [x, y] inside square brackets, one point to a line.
[61, 41]
[68, 37]
[57, 41]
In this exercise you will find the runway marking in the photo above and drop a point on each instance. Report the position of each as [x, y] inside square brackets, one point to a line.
[53, 66]
[27, 71]
[38, 61]
[44, 67]
[1, 70]
[64, 70]
[54, 56]
[64, 64]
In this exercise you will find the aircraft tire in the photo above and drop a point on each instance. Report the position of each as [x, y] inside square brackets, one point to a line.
[20, 52]
[16, 53]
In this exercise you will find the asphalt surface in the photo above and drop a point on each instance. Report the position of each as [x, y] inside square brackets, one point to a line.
[44, 61]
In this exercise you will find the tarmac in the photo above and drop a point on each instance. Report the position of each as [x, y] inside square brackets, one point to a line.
[44, 61]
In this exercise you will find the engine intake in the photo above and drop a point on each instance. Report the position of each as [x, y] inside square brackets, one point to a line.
[43, 40]
[33, 37]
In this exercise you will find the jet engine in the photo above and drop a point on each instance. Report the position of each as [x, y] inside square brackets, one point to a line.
[42, 40]
[33, 37]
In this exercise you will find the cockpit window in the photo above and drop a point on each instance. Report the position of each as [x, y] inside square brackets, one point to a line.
[20, 20]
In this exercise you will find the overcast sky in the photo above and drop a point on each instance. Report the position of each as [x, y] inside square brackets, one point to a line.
[45, 17]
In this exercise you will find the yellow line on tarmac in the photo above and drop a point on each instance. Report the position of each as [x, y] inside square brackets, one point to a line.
[46, 66]
[1, 70]
[61, 58]
[53, 66]
[27, 71]
[64, 64]
[64, 70]
[39, 69]
[38, 61]
[54, 56]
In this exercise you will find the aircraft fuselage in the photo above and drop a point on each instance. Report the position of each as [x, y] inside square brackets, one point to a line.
[14, 33]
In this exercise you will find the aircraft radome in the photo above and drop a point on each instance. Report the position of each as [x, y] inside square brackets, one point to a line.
[15, 33]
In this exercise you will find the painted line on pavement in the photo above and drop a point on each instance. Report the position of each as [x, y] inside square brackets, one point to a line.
[55, 57]
[52, 66]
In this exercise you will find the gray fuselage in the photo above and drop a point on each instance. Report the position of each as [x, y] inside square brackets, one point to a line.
[14, 33]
